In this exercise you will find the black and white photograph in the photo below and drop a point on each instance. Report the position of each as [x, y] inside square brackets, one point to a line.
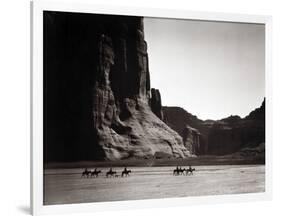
[138, 108]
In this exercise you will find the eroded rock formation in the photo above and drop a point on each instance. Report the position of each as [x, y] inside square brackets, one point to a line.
[103, 92]
[126, 126]
[192, 139]
[156, 103]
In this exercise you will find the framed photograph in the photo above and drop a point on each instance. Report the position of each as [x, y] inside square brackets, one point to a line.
[142, 107]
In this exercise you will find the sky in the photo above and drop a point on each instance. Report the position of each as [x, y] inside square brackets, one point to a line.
[211, 69]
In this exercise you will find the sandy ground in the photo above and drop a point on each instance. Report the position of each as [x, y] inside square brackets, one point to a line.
[64, 186]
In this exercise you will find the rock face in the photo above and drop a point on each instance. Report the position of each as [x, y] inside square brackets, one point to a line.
[233, 134]
[104, 91]
[191, 139]
[192, 130]
[155, 103]
[220, 137]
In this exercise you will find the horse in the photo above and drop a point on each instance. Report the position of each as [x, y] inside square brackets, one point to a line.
[181, 171]
[126, 173]
[85, 173]
[95, 173]
[190, 170]
[111, 173]
[178, 171]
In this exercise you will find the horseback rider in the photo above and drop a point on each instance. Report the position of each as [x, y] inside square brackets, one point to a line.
[176, 171]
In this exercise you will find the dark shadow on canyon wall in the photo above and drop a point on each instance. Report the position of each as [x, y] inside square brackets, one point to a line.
[69, 50]
[97, 92]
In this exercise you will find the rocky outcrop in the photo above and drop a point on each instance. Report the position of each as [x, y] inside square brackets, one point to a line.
[104, 62]
[126, 126]
[156, 104]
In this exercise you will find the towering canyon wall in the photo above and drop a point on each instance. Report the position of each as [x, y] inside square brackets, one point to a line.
[125, 124]
[97, 91]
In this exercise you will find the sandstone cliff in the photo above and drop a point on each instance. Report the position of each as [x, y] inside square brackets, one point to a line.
[98, 91]
[156, 103]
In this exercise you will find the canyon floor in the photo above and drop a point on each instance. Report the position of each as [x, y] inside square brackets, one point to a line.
[65, 186]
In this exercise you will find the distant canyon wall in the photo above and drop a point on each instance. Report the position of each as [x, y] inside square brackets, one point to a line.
[225, 136]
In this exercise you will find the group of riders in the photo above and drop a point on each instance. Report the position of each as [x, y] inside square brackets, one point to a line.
[125, 173]
[88, 173]
[180, 171]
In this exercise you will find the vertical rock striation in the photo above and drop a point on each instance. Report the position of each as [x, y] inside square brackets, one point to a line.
[97, 91]
[191, 139]
[192, 130]
[232, 134]
[156, 104]
[123, 120]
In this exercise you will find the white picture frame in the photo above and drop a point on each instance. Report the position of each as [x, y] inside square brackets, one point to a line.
[37, 8]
